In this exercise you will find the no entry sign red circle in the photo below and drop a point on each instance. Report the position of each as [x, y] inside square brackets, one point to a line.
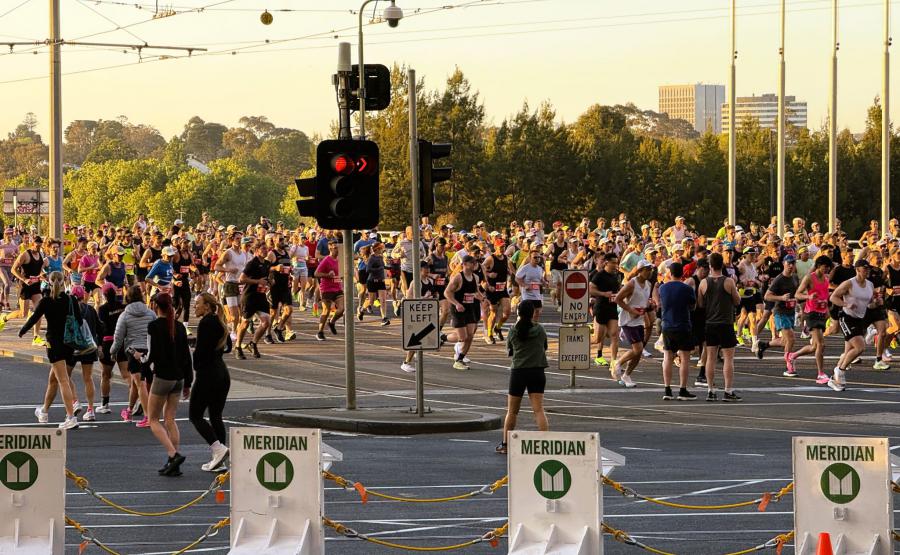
[576, 285]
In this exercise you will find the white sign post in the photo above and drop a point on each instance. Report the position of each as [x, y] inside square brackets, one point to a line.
[277, 495]
[32, 491]
[421, 323]
[555, 501]
[842, 486]
[575, 297]
[574, 347]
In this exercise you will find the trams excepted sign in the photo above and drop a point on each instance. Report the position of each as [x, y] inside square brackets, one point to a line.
[575, 297]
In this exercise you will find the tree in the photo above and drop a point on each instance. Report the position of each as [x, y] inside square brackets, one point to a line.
[284, 157]
[111, 149]
[203, 140]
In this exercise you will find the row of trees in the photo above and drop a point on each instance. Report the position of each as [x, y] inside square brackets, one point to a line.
[611, 159]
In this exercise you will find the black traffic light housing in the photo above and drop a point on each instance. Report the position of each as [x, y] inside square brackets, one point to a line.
[344, 193]
[429, 175]
[378, 87]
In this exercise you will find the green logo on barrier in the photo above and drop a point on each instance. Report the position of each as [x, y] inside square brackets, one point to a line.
[274, 471]
[552, 479]
[840, 483]
[18, 471]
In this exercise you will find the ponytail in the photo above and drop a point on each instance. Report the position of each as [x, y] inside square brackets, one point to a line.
[57, 284]
[525, 310]
[216, 309]
[164, 305]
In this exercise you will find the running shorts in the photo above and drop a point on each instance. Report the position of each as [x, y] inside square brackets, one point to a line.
[471, 314]
[56, 353]
[631, 334]
[28, 290]
[301, 272]
[279, 296]
[749, 303]
[720, 335]
[332, 296]
[375, 285]
[255, 302]
[231, 289]
[164, 388]
[74, 359]
[852, 327]
[816, 320]
[835, 312]
[106, 356]
[604, 312]
[784, 321]
[675, 341]
[494, 297]
[532, 380]
[875, 315]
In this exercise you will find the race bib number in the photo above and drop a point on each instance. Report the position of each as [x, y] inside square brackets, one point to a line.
[6, 261]
[534, 286]
[339, 282]
[33, 280]
[262, 288]
[440, 281]
[129, 267]
[500, 287]
[821, 305]
[790, 304]
[285, 269]
[184, 269]
[468, 298]
[895, 292]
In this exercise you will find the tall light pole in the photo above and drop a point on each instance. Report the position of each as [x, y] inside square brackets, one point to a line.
[732, 147]
[779, 210]
[832, 123]
[886, 122]
[393, 15]
[56, 171]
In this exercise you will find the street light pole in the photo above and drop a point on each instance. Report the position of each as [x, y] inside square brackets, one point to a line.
[832, 123]
[780, 208]
[361, 91]
[56, 170]
[886, 122]
[732, 147]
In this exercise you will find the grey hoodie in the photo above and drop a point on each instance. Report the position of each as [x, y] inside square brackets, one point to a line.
[131, 329]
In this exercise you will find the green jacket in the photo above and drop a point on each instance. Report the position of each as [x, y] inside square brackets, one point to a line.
[528, 350]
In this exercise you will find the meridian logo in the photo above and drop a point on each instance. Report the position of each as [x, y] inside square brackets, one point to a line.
[840, 483]
[274, 471]
[18, 471]
[552, 479]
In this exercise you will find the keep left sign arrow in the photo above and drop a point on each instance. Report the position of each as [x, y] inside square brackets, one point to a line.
[416, 338]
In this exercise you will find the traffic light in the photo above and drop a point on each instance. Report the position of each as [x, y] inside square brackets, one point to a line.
[429, 175]
[344, 193]
[378, 87]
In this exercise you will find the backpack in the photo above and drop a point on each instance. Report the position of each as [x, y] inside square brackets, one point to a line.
[73, 335]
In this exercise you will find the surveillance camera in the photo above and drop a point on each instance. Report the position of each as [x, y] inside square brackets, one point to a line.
[393, 15]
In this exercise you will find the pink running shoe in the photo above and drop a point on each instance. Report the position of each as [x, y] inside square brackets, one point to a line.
[789, 362]
[822, 379]
[144, 423]
[126, 415]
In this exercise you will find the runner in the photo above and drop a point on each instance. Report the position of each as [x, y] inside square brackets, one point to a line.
[782, 291]
[854, 297]
[332, 287]
[462, 291]
[497, 270]
[28, 268]
[438, 266]
[375, 284]
[677, 299]
[634, 301]
[603, 289]
[231, 263]
[109, 316]
[876, 315]
[428, 292]
[718, 295]
[255, 279]
[814, 289]
[280, 294]
[531, 278]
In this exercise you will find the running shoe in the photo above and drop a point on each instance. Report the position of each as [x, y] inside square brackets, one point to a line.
[822, 379]
[385, 322]
[254, 349]
[103, 409]
[881, 365]
[499, 332]
[667, 395]
[740, 341]
[804, 334]
[841, 376]
[600, 361]
[761, 349]
[835, 385]
[290, 335]
[219, 454]
[407, 367]
[144, 423]
[870, 335]
[218, 469]
[628, 382]
[711, 396]
[790, 373]
[895, 344]
[700, 381]
[732, 397]
[3, 322]
[754, 345]
[647, 354]
[789, 363]
[501, 449]
[659, 345]
[332, 327]
[887, 355]
[316, 309]
[239, 353]
[125, 414]
[42, 417]
[76, 408]
[279, 335]
[460, 365]
[614, 370]
[89, 416]
[320, 336]
[685, 395]
[38, 341]
[70, 423]
[359, 315]
[268, 340]
[490, 340]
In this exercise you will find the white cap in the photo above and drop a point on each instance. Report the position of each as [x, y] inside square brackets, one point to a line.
[179, 222]
[643, 263]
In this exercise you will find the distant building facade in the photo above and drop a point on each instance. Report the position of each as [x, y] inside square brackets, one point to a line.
[698, 104]
[764, 109]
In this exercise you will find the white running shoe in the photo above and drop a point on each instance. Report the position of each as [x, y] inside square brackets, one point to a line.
[42, 416]
[659, 345]
[870, 335]
[89, 416]
[614, 370]
[219, 454]
[647, 354]
[754, 346]
[887, 354]
[881, 365]
[103, 409]
[76, 408]
[407, 367]
[69, 423]
[629, 383]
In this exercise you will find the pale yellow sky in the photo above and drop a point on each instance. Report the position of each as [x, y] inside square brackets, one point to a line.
[572, 52]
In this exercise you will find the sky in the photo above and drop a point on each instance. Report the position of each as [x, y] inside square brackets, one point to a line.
[573, 53]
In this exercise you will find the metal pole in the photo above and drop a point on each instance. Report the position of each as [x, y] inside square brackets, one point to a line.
[886, 123]
[781, 115]
[772, 196]
[343, 85]
[361, 92]
[832, 123]
[56, 170]
[732, 147]
[416, 207]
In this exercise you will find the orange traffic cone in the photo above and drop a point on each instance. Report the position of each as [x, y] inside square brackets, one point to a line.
[824, 547]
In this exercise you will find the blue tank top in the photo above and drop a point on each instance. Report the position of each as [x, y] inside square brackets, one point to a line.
[116, 275]
[54, 264]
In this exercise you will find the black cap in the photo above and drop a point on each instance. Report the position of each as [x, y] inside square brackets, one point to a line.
[703, 263]
[861, 263]
[468, 258]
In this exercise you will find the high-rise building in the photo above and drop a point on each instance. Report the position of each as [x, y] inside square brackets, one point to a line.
[698, 104]
[765, 110]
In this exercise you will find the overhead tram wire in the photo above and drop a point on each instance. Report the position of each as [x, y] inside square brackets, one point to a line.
[248, 49]
[14, 8]
[98, 13]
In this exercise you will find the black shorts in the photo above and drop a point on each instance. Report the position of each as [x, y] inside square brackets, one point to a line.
[58, 353]
[675, 341]
[494, 297]
[605, 312]
[253, 303]
[852, 327]
[439, 289]
[279, 296]
[137, 367]
[720, 335]
[698, 327]
[374, 286]
[407, 276]
[332, 296]
[835, 312]
[91, 286]
[534, 303]
[769, 305]
[89, 358]
[532, 380]
[875, 315]
[106, 356]
[140, 273]
[749, 303]
[26, 291]
[470, 315]
[362, 276]
[816, 320]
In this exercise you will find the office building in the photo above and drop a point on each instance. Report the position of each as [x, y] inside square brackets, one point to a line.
[698, 104]
[765, 110]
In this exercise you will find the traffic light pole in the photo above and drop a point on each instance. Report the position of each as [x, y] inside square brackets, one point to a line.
[417, 239]
[343, 85]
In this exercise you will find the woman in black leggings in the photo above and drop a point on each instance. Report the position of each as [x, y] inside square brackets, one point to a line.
[212, 380]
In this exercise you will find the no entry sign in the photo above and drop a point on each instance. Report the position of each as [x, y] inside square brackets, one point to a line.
[575, 298]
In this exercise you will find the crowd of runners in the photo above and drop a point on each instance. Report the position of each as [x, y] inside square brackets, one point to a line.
[757, 287]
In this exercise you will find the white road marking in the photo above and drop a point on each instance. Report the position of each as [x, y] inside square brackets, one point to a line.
[746, 454]
[709, 490]
[471, 440]
[637, 449]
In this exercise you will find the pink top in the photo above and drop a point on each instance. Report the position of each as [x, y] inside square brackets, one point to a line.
[88, 260]
[8, 254]
[328, 284]
[818, 295]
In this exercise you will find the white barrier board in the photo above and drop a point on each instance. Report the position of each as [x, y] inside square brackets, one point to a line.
[555, 501]
[842, 485]
[32, 491]
[575, 347]
[277, 496]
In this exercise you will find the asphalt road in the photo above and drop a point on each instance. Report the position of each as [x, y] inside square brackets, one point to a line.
[701, 453]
